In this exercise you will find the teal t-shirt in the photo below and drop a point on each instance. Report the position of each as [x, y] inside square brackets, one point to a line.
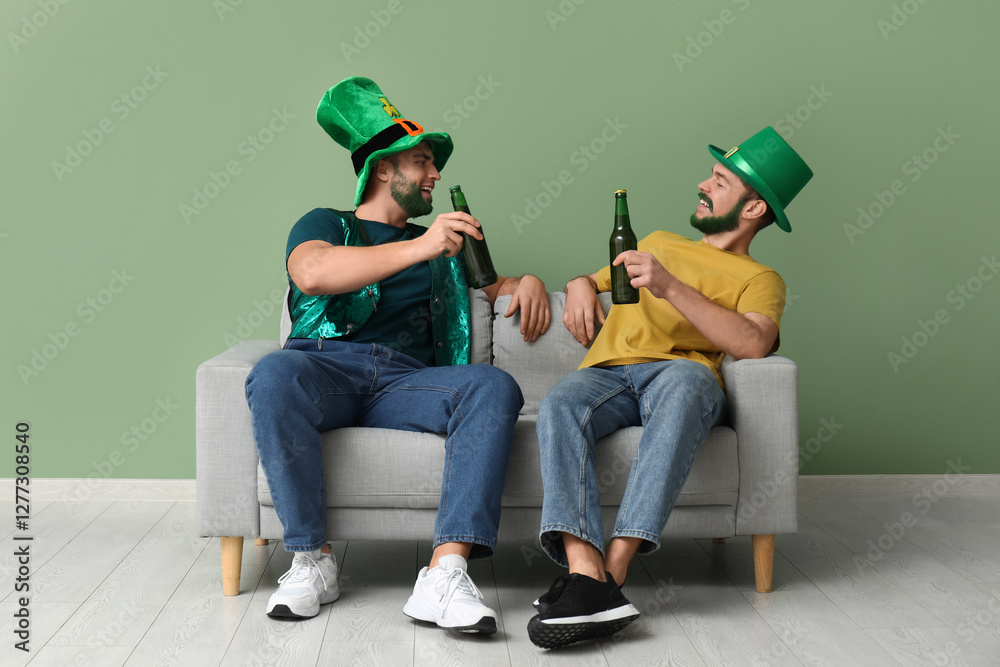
[401, 320]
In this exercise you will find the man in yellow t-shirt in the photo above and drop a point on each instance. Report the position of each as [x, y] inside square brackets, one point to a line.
[655, 364]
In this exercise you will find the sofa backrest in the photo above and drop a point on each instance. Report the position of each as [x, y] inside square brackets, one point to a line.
[537, 366]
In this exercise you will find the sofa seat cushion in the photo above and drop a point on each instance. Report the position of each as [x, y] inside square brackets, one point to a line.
[377, 467]
[384, 468]
[714, 478]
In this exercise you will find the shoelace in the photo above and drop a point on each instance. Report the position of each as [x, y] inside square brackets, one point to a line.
[302, 566]
[555, 590]
[458, 581]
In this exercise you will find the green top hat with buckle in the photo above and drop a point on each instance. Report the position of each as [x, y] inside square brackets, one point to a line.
[770, 166]
[359, 117]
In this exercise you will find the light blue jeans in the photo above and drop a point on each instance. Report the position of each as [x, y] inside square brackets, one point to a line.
[676, 401]
[296, 393]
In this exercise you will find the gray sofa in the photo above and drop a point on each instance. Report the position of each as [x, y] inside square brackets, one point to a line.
[384, 484]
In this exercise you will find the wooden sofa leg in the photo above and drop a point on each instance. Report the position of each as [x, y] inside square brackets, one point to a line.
[260, 542]
[763, 561]
[232, 561]
[718, 540]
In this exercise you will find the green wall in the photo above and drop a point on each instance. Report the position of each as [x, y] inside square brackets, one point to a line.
[114, 293]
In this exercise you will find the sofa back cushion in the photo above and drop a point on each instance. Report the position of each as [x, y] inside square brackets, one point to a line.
[481, 317]
[539, 365]
[286, 320]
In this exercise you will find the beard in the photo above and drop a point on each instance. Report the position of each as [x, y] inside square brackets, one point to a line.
[409, 196]
[717, 224]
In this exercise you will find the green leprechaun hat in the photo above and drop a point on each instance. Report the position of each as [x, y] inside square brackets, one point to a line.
[770, 166]
[359, 117]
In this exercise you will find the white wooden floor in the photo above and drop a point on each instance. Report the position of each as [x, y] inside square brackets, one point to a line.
[128, 583]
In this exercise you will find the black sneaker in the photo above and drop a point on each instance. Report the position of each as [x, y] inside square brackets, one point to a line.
[582, 608]
[548, 597]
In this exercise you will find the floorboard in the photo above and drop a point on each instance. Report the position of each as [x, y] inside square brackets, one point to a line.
[130, 584]
[125, 604]
[197, 625]
[718, 620]
[816, 631]
[851, 583]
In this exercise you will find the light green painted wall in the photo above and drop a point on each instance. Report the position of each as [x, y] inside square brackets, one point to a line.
[558, 73]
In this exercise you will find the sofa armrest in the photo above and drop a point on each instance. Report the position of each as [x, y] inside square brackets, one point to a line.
[763, 407]
[225, 451]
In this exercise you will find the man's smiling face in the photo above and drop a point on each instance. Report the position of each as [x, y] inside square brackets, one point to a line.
[413, 180]
[721, 192]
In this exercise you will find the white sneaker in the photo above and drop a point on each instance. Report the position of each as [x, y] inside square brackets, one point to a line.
[446, 595]
[310, 582]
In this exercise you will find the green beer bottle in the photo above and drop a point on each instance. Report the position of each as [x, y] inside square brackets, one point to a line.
[478, 264]
[622, 239]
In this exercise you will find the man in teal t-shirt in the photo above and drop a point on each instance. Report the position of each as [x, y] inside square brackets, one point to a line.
[402, 318]
[380, 338]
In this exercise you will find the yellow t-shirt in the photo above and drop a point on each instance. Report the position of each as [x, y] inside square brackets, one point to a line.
[653, 330]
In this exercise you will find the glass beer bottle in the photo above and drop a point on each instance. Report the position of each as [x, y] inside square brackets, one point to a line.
[475, 253]
[622, 239]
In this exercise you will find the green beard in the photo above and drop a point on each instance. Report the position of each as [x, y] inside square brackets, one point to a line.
[718, 224]
[409, 197]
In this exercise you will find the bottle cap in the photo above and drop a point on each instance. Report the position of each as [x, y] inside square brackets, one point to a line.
[454, 188]
[620, 192]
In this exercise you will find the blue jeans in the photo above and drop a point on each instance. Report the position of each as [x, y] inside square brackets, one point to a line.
[297, 393]
[676, 401]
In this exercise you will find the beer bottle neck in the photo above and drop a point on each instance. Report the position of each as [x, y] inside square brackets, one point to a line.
[621, 211]
[458, 201]
[621, 216]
